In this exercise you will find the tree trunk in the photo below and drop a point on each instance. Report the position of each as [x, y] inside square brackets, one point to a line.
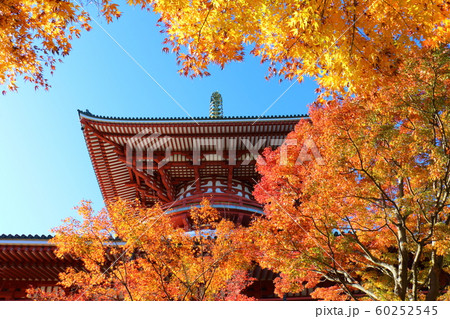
[402, 276]
[435, 275]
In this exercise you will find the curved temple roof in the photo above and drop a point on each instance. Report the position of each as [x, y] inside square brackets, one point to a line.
[25, 239]
[88, 114]
[149, 158]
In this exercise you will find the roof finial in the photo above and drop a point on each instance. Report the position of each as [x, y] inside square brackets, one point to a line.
[215, 106]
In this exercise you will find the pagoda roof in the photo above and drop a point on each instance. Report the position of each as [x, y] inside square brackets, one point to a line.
[23, 236]
[125, 174]
[88, 114]
[31, 259]
[9, 239]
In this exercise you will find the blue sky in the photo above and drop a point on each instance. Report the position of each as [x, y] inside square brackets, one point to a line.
[45, 169]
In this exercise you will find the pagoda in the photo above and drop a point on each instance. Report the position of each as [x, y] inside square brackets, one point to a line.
[179, 161]
[173, 161]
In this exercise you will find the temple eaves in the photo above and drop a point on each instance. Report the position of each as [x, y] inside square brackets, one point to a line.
[88, 114]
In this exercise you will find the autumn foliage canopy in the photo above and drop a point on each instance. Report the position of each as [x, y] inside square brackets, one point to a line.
[34, 34]
[371, 211]
[128, 252]
[346, 45]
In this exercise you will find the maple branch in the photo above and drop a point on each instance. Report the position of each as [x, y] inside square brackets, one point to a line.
[411, 190]
[161, 280]
[202, 255]
[374, 181]
[353, 284]
[401, 16]
[335, 268]
[148, 252]
[353, 28]
[322, 12]
[366, 228]
[291, 46]
[373, 200]
[126, 280]
[198, 277]
[204, 21]
[368, 255]
[208, 283]
[122, 279]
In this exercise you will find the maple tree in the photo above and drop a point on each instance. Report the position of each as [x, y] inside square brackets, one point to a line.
[33, 33]
[346, 45]
[359, 195]
[129, 252]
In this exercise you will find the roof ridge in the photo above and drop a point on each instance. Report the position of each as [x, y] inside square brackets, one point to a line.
[252, 117]
[23, 236]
